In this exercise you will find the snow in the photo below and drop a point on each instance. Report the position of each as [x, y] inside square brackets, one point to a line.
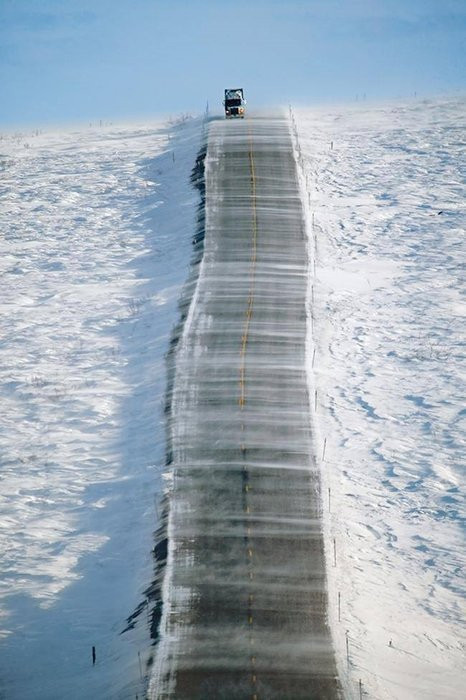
[96, 227]
[384, 192]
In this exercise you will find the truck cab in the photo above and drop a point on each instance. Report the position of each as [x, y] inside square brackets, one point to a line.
[234, 103]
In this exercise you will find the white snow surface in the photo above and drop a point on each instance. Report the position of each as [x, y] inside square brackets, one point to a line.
[384, 191]
[96, 227]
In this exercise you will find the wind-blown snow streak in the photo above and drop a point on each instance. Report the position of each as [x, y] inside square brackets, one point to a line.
[386, 210]
[244, 594]
[96, 228]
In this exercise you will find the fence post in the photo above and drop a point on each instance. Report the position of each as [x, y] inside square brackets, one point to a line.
[140, 665]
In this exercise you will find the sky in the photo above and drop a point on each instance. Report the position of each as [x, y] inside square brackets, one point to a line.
[65, 61]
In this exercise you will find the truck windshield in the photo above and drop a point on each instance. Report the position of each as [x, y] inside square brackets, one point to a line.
[234, 103]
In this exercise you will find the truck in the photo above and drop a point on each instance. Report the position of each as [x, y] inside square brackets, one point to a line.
[234, 103]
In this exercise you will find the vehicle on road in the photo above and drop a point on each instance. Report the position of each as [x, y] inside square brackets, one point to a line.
[234, 103]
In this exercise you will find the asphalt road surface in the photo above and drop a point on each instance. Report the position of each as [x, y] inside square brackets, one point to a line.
[244, 593]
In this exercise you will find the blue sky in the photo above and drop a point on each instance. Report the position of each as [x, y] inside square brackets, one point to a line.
[80, 60]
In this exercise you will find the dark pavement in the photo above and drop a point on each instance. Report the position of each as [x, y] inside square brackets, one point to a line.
[244, 595]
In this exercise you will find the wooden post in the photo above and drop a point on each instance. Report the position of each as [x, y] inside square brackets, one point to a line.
[334, 552]
[140, 665]
[93, 656]
[329, 503]
[315, 400]
[339, 606]
[347, 646]
[323, 451]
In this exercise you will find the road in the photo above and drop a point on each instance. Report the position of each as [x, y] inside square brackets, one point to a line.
[245, 595]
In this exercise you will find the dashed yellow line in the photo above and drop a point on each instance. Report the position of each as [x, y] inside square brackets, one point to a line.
[242, 401]
[249, 308]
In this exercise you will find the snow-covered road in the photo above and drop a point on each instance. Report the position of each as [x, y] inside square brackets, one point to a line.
[244, 597]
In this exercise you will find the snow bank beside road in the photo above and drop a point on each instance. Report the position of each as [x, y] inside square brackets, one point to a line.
[386, 219]
[96, 243]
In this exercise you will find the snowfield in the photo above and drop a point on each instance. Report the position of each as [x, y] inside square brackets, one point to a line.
[96, 229]
[385, 194]
[95, 245]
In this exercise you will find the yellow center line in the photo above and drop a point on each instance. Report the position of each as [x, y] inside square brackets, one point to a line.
[245, 336]
[242, 393]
